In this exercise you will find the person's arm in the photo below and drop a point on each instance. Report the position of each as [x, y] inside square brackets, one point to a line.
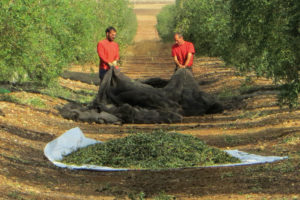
[188, 59]
[177, 62]
[117, 57]
[117, 54]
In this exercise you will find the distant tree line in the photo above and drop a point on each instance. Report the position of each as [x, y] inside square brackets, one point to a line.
[253, 35]
[39, 39]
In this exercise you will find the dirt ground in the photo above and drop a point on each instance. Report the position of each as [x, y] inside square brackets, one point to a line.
[252, 122]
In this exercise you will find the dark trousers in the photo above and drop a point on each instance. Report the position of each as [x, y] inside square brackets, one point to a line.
[102, 72]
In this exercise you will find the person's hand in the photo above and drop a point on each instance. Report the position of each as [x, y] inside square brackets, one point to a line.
[115, 63]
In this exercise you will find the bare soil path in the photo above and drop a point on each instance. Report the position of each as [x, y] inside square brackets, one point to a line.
[252, 122]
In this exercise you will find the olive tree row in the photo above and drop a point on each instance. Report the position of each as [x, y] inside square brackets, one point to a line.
[40, 38]
[257, 35]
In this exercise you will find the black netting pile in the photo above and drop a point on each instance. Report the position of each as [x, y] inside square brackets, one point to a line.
[123, 100]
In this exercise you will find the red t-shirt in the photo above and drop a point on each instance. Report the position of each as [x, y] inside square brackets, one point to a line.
[181, 51]
[108, 51]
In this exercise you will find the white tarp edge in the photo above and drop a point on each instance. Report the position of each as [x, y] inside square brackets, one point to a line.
[74, 139]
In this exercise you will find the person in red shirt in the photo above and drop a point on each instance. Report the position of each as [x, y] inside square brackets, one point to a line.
[182, 52]
[108, 52]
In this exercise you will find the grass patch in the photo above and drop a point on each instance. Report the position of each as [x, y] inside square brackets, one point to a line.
[246, 85]
[232, 140]
[156, 150]
[14, 195]
[285, 167]
[254, 114]
[54, 90]
[164, 196]
[227, 93]
[35, 102]
[9, 98]
[226, 174]
[291, 140]
[139, 196]
[82, 96]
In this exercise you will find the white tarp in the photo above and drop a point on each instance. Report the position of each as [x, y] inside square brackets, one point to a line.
[74, 139]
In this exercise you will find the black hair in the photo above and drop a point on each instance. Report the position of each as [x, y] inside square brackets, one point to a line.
[110, 28]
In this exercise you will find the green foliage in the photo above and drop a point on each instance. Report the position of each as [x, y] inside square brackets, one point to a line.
[254, 35]
[265, 39]
[119, 14]
[26, 49]
[40, 38]
[156, 150]
[206, 23]
[3, 91]
[166, 22]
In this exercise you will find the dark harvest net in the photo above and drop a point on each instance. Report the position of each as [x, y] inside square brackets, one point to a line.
[123, 100]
